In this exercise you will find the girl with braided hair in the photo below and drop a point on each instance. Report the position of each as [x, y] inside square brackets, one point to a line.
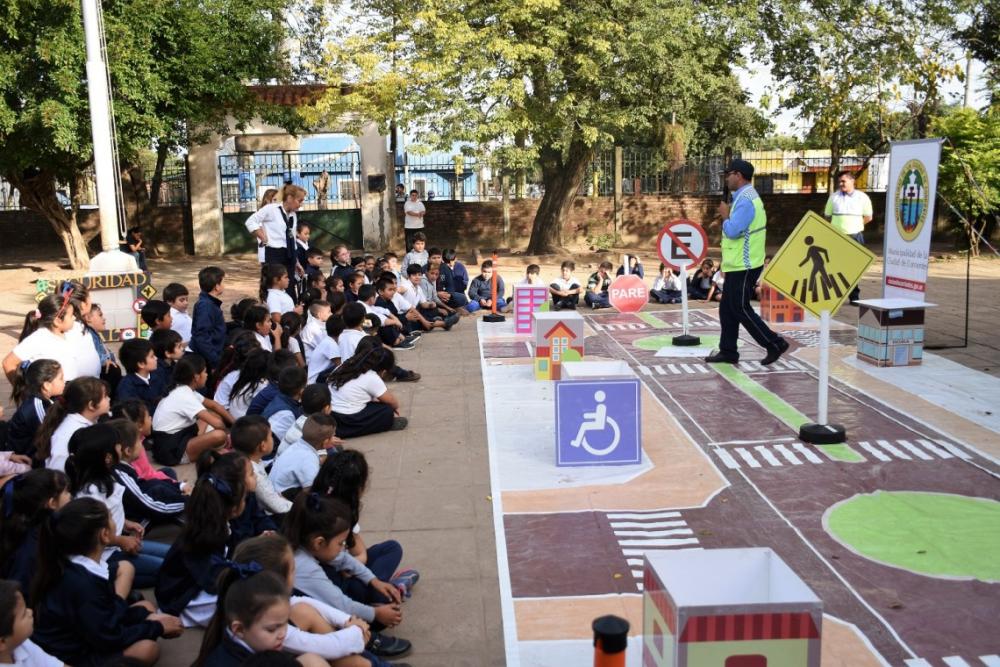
[359, 399]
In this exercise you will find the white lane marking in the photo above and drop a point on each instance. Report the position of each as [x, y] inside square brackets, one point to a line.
[673, 369]
[641, 552]
[892, 449]
[767, 455]
[687, 369]
[955, 661]
[874, 451]
[796, 365]
[654, 533]
[916, 451]
[990, 660]
[659, 369]
[927, 444]
[615, 525]
[806, 452]
[701, 368]
[745, 366]
[787, 453]
[746, 456]
[635, 561]
[954, 449]
[917, 662]
[659, 542]
[644, 515]
[637, 574]
[726, 458]
[644, 370]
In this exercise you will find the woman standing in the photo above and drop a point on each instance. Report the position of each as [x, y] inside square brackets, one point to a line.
[275, 226]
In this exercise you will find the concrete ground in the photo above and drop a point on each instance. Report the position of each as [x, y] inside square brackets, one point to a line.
[430, 485]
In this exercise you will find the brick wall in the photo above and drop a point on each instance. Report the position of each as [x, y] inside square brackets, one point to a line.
[26, 230]
[467, 225]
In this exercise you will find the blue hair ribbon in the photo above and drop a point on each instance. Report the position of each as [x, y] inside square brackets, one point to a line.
[219, 485]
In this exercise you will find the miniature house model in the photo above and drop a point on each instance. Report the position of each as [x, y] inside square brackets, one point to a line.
[891, 331]
[528, 299]
[775, 307]
[728, 608]
[558, 338]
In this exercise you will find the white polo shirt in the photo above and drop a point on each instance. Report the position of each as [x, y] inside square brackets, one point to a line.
[274, 225]
[847, 211]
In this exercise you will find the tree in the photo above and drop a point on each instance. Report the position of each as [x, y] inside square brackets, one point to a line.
[847, 66]
[969, 174]
[541, 82]
[177, 69]
[982, 39]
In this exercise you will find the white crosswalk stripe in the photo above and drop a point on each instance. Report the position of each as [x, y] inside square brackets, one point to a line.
[917, 662]
[776, 455]
[642, 532]
[644, 370]
[990, 660]
[955, 661]
[659, 369]
[701, 368]
[673, 369]
[687, 369]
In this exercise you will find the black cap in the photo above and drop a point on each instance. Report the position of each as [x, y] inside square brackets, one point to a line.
[742, 167]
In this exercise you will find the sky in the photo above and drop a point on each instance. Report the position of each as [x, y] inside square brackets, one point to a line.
[756, 79]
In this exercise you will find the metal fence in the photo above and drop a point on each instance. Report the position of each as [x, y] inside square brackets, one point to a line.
[173, 189]
[458, 178]
[331, 180]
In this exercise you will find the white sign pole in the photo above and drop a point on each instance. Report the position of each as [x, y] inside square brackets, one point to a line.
[684, 297]
[824, 366]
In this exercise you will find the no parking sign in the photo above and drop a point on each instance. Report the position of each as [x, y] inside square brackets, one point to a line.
[682, 243]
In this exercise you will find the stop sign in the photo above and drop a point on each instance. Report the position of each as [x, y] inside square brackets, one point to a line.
[628, 294]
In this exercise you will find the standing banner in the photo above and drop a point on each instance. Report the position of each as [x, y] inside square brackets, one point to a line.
[909, 217]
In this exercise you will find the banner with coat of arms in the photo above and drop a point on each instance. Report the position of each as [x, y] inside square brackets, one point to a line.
[909, 217]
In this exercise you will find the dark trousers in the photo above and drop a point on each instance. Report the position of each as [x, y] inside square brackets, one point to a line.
[597, 299]
[374, 418]
[856, 292]
[388, 334]
[281, 256]
[735, 309]
[383, 559]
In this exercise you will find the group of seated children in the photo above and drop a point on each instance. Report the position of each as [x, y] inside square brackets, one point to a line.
[275, 505]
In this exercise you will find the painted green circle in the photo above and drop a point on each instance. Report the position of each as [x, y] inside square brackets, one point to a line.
[935, 534]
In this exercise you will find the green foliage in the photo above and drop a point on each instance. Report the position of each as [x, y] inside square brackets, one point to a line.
[969, 175]
[982, 39]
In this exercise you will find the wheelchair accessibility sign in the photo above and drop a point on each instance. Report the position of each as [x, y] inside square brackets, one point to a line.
[597, 423]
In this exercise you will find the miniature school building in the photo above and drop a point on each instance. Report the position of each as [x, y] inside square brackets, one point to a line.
[776, 308]
[558, 338]
[727, 608]
[528, 299]
[891, 332]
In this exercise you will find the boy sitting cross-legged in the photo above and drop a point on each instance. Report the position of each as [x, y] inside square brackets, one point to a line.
[251, 434]
[141, 381]
[297, 466]
[422, 304]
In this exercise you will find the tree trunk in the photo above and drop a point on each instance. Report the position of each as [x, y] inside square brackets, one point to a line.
[561, 176]
[831, 174]
[38, 193]
[139, 205]
[161, 161]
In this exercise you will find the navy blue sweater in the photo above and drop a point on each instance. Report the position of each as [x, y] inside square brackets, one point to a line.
[262, 399]
[153, 500]
[208, 329]
[182, 576]
[24, 424]
[149, 392]
[227, 654]
[82, 621]
[21, 565]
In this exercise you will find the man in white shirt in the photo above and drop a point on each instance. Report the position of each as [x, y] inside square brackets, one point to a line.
[413, 217]
[849, 210]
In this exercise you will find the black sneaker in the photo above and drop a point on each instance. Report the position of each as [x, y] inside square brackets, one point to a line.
[388, 647]
[780, 347]
[410, 376]
[450, 321]
[406, 344]
[416, 334]
[721, 357]
[399, 423]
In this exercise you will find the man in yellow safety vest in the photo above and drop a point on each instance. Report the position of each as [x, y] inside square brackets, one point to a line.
[744, 228]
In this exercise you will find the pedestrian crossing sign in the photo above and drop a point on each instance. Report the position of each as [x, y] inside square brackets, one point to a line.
[817, 266]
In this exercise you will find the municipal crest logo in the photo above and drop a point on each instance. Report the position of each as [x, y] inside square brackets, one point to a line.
[911, 199]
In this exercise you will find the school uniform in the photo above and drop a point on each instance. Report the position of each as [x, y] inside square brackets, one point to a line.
[296, 467]
[596, 295]
[281, 413]
[44, 344]
[483, 289]
[236, 405]
[185, 577]
[267, 496]
[454, 284]
[413, 257]
[348, 343]
[321, 358]
[281, 228]
[153, 501]
[251, 522]
[312, 579]
[175, 422]
[59, 450]
[29, 654]
[87, 356]
[263, 397]
[278, 301]
[208, 329]
[342, 271]
[230, 652]
[666, 290]
[21, 565]
[148, 389]
[23, 426]
[355, 408]
[83, 622]
[181, 323]
[312, 333]
[564, 285]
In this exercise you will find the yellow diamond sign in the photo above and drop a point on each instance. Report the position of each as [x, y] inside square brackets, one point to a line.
[148, 291]
[817, 266]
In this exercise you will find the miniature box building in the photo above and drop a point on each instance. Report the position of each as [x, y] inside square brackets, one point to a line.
[558, 338]
[598, 419]
[776, 308]
[528, 299]
[727, 608]
[891, 331]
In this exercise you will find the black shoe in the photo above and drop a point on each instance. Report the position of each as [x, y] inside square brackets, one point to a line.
[416, 334]
[404, 345]
[721, 357]
[450, 321]
[779, 348]
[388, 647]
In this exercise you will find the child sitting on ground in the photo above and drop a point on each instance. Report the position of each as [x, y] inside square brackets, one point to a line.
[84, 401]
[481, 290]
[36, 384]
[274, 281]
[391, 330]
[715, 292]
[168, 348]
[315, 327]
[296, 467]
[141, 380]
[16, 625]
[181, 421]
[565, 290]
[136, 412]
[266, 330]
[418, 255]
[700, 281]
[634, 267]
[176, 295]
[149, 502]
[251, 435]
[326, 355]
[360, 401]
[286, 407]
[597, 287]
[156, 315]
[28, 500]
[666, 287]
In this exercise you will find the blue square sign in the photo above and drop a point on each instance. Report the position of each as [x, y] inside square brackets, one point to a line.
[597, 423]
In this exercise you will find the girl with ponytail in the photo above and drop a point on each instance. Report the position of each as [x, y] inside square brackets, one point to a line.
[45, 336]
[27, 501]
[360, 401]
[36, 384]
[83, 402]
[81, 616]
[187, 583]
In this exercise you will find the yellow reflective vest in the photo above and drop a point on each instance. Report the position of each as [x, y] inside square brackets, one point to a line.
[747, 250]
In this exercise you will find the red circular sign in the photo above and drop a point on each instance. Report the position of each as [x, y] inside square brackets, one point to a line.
[681, 243]
[138, 305]
[628, 294]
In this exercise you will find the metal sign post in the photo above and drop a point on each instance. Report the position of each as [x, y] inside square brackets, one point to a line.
[680, 244]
